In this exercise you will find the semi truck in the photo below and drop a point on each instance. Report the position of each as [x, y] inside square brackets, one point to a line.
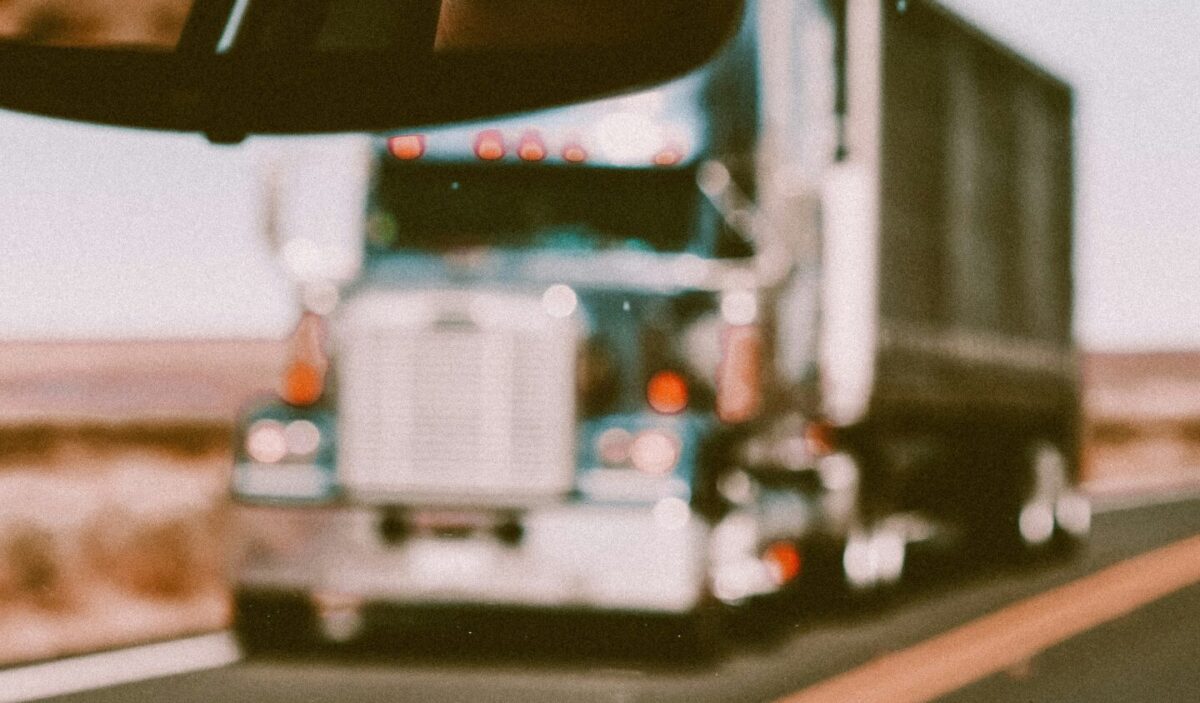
[778, 318]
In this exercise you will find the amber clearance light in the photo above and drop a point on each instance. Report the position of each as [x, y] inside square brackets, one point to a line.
[302, 384]
[531, 148]
[574, 153]
[304, 376]
[669, 156]
[407, 147]
[489, 145]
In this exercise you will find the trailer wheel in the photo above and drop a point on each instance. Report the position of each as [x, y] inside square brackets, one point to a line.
[1038, 514]
[1056, 514]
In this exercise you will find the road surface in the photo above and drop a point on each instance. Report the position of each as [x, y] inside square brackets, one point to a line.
[1116, 623]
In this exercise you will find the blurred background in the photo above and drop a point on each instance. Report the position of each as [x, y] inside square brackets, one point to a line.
[141, 304]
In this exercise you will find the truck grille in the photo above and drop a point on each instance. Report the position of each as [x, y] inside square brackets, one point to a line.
[455, 395]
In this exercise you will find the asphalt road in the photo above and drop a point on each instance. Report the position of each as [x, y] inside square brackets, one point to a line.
[1152, 656]
[1150, 653]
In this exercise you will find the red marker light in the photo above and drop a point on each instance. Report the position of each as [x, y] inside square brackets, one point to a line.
[531, 147]
[667, 392]
[574, 153]
[784, 561]
[489, 145]
[407, 147]
[819, 438]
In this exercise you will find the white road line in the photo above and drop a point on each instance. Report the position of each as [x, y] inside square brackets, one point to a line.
[1118, 503]
[139, 663]
[1014, 634]
[1115, 495]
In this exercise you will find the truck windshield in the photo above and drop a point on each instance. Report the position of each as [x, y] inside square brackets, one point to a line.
[448, 207]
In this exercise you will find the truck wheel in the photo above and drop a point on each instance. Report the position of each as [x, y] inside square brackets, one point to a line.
[873, 556]
[273, 623]
[696, 636]
[699, 636]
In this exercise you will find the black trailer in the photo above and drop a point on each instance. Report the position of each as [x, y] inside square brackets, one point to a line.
[963, 389]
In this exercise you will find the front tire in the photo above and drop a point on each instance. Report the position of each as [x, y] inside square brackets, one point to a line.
[273, 623]
[698, 636]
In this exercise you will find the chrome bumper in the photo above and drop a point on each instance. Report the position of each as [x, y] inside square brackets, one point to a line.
[606, 557]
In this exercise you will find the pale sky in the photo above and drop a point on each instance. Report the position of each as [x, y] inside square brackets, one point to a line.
[1135, 67]
[116, 233]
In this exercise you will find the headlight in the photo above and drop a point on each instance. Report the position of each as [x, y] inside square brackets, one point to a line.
[612, 446]
[266, 441]
[271, 441]
[303, 438]
[654, 452]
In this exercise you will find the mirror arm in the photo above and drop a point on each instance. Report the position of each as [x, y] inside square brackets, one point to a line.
[204, 27]
[772, 263]
[723, 195]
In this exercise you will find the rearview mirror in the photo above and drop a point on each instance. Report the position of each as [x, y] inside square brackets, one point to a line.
[235, 67]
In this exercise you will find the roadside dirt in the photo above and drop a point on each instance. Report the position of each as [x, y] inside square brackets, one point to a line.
[1142, 416]
[103, 545]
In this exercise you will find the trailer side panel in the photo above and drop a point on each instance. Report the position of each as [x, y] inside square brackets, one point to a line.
[975, 241]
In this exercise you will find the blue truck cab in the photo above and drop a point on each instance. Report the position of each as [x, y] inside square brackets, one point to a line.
[535, 391]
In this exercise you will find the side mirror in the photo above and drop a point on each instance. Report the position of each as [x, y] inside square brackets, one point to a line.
[229, 68]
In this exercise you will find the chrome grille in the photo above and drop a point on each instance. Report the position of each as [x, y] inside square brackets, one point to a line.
[455, 394]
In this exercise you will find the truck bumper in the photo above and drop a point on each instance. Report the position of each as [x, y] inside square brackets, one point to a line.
[605, 557]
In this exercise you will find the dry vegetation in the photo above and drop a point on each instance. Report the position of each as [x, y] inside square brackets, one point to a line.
[1143, 418]
[113, 467]
[103, 543]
